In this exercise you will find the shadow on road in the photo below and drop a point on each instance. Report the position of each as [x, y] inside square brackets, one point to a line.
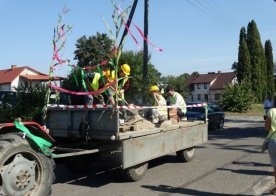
[102, 172]
[179, 190]
[248, 172]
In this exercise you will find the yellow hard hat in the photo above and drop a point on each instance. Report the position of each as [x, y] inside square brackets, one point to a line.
[109, 75]
[154, 88]
[126, 69]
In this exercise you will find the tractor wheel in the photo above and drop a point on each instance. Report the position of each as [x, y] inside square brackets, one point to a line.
[23, 171]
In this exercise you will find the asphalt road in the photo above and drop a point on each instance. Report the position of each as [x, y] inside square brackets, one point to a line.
[229, 164]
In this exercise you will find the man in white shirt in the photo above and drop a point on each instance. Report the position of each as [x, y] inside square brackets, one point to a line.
[175, 99]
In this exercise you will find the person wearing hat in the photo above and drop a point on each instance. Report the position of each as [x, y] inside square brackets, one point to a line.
[123, 82]
[175, 99]
[95, 81]
[158, 114]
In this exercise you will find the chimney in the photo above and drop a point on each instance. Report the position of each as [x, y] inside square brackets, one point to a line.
[13, 67]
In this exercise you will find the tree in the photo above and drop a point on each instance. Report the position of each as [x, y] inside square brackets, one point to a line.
[237, 98]
[135, 61]
[177, 81]
[243, 67]
[270, 68]
[93, 50]
[257, 58]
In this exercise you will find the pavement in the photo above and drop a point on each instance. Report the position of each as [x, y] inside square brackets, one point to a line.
[265, 184]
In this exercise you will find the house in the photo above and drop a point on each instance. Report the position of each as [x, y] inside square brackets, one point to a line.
[208, 87]
[12, 78]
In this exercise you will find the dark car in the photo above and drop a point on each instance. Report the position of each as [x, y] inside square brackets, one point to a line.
[215, 114]
[7, 98]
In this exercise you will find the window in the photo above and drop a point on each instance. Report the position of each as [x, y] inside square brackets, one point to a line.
[206, 97]
[198, 97]
[205, 85]
[198, 86]
[217, 97]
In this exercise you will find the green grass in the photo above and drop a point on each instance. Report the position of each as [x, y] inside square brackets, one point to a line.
[256, 110]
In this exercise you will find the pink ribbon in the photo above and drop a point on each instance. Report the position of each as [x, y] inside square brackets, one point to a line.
[95, 66]
[81, 93]
[140, 31]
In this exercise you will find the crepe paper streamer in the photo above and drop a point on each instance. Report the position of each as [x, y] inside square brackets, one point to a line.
[131, 34]
[82, 81]
[142, 34]
[140, 31]
[129, 107]
[40, 142]
[95, 66]
[81, 93]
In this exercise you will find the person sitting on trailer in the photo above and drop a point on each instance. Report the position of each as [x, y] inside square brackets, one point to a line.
[158, 114]
[175, 99]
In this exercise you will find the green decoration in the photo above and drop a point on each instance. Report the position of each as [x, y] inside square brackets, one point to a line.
[40, 142]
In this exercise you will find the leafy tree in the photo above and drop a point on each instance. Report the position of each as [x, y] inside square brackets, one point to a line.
[237, 98]
[234, 67]
[135, 61]
[257, 59]
[270, 68]
[243, 67]
[93, 50]
[178, 82]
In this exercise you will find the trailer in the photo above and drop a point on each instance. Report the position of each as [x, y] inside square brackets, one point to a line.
[80, 133]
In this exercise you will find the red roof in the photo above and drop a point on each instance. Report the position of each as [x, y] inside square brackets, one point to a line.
[223, 80]
[205, 78]
[8, 75]
[220, 79]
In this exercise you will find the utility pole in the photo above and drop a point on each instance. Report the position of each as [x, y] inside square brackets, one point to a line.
[145, 53]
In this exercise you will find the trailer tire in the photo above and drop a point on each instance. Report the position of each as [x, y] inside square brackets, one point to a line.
[186, 155]
[77, 164]
[23, 171]
[136, 172]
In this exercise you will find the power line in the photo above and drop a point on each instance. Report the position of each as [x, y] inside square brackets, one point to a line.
[209, 10]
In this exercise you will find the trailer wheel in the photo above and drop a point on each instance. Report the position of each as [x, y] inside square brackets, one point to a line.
[23, 171]
[77, 164]
[136, 172]
[186, 155]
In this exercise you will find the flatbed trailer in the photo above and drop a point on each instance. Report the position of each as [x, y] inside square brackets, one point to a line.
[78, 134]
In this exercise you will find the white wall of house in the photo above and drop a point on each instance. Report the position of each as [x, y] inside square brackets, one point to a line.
[14, 83]
[200, 92]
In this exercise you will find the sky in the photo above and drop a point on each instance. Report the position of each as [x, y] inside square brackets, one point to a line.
[195, 35]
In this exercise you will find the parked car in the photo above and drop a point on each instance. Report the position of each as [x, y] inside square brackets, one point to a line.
[7, 98]
[215, 115]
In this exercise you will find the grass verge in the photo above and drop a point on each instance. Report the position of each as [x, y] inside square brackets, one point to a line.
[256, 110]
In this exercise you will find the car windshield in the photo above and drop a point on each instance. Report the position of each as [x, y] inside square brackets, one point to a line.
[196, 109]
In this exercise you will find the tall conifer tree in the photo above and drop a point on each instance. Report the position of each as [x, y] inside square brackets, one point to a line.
[244, 65]
[257, 59]
[270, 68]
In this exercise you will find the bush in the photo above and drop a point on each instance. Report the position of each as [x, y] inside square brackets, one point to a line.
[29, 105]
[237, 98]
